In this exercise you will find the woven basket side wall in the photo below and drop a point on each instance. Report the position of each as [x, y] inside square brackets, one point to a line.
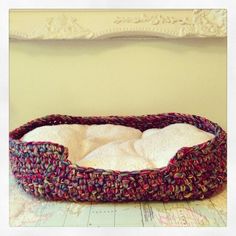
[43, 170]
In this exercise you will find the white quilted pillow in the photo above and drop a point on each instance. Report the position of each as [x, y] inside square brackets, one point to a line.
[119, 147]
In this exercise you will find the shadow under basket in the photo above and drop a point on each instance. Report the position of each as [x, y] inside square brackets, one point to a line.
[43, 169]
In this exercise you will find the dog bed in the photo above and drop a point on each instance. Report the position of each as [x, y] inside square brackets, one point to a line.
[44, 168]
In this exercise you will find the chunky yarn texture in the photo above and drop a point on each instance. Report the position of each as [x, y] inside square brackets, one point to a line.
[43, 169]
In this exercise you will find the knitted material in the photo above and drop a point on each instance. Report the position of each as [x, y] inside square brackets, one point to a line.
[43, 170]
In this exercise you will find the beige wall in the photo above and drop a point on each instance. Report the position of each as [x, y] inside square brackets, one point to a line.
[117, 77]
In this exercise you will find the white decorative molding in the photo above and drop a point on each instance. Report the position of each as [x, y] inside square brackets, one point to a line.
[63, 27]
[45, 25]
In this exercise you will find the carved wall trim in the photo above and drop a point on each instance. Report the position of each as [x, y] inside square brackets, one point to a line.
[101, 24]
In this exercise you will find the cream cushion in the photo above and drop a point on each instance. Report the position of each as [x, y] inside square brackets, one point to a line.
[119, 147]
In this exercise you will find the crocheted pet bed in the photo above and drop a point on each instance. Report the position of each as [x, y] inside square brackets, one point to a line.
[44, 170]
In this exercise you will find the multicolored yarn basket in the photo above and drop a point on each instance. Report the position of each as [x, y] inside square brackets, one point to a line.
[43, 170]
